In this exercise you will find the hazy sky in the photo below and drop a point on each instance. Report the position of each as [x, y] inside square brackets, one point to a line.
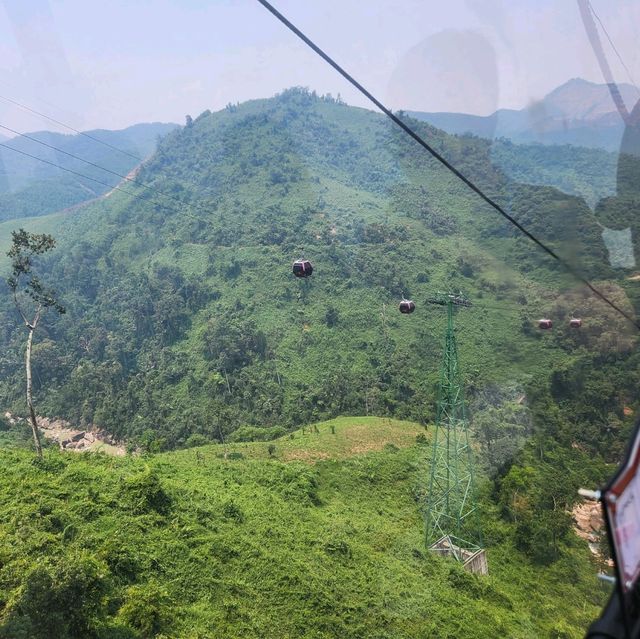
[116, 62]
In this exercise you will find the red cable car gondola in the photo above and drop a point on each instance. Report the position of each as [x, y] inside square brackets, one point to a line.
[545, 324]
[575, 322]
[407, 306]
[302, 268]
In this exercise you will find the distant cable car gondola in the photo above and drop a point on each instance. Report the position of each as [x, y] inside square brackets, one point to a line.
[575, 322]
[545, 324]
[407, 306]
[302, 268]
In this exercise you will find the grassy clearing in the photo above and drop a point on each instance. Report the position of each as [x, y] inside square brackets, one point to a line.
[335, 439]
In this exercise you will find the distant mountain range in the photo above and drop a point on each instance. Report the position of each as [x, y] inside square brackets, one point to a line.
[30, 187]
[578, 112]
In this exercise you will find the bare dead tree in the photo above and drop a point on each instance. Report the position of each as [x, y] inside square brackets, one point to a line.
[31, 299]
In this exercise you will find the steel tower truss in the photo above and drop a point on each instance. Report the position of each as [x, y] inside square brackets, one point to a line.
[451, 518]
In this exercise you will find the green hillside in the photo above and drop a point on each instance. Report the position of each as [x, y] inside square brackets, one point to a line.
[318, 534]
[587, 173]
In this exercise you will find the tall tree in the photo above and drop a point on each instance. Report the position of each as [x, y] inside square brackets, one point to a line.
[31, 299]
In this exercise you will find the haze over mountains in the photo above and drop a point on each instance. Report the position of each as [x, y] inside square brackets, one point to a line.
[578, 112]
[30, 188]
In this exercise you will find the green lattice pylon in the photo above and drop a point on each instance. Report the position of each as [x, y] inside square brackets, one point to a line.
[451, 499]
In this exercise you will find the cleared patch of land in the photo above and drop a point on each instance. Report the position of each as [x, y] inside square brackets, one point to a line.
[338, 438]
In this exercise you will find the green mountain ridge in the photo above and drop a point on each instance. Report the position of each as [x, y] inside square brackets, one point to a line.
[192, 322]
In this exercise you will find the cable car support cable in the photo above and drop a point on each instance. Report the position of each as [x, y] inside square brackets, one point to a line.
[613, 46]
[587, 14]
[82, 175]
[476, 189]
[132, 180]
[70, 128]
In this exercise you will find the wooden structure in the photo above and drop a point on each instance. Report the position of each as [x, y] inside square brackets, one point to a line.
[474, 560]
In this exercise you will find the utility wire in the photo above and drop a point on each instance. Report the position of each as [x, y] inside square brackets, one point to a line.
[593, 34]
[70, 128]
[82, 175]
[97, 166]
[476, 189]
[71, 155]
[86, 135]
[613, 46]
[506, 309]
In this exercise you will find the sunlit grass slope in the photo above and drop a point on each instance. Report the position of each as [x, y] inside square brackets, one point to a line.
[322, 537]
[334, 439]
[44, 224]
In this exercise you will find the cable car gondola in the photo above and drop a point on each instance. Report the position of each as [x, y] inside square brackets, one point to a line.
[407, 306]
[575, 322]
[545, 324]
[302, 268]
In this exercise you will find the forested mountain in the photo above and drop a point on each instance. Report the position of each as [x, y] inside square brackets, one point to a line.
[574, 170]
[31, 188]
[183, 315]
[184, 326]
[578, 112]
